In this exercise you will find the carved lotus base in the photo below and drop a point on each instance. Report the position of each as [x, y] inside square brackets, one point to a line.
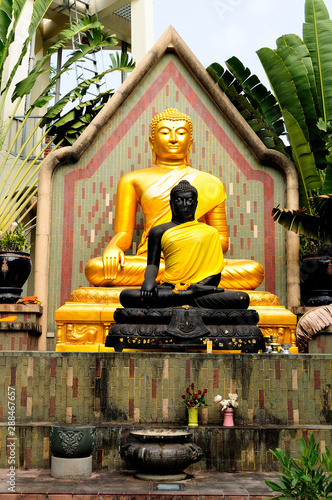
[181, 328]
[83, 323]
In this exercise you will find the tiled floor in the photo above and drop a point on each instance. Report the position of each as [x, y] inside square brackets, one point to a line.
[114, 485]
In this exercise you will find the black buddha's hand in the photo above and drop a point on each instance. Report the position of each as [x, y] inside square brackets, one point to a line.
[149, 291]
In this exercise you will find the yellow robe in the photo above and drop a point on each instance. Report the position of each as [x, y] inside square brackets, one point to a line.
[192, 252]
[155, 199]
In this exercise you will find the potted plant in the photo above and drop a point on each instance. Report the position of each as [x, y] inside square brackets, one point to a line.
[313, 223]
[15, 262]
[227, 407]
[194, 400]
[316, 248]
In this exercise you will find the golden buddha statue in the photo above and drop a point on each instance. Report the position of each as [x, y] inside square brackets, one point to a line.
[171, 141]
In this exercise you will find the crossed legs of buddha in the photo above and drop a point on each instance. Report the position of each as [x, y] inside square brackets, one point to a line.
[204, 297]
[236, 275]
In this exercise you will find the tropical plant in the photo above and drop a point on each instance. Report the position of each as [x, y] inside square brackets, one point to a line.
[65, 129]
[253, 100]
[306, 478]
[16, 238]
[300, 75]
[19, 182]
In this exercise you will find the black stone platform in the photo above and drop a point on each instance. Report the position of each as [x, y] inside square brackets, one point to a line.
[186, 327]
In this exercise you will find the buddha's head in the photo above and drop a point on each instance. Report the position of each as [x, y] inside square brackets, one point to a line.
[183, 201]
[171, 136]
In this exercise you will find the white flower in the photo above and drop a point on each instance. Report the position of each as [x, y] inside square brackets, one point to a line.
[14, 224]
[235, 404]
[233, 396]
[217, 399]
[224, 404]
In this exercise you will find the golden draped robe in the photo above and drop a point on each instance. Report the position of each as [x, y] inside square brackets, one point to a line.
[155, 199]
[192, 252]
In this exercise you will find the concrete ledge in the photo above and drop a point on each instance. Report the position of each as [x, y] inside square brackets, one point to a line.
[21, 309]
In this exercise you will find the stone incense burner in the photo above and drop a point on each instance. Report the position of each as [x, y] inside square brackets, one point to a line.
[161, 454]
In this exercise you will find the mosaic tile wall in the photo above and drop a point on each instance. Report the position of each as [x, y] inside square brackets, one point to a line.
[85, 193]
[18, 341]
[147, 387]
[280, 400]
[21, 335]
[225, 449]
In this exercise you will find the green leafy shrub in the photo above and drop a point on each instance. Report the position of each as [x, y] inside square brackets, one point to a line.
[15, 239]
[306, 478]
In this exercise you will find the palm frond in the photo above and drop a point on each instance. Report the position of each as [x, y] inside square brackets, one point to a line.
[311, 323]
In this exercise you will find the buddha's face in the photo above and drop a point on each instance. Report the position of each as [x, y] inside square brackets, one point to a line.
[172, 140]
[183, 206]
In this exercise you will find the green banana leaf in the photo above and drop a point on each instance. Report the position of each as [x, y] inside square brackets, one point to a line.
[317, 35]
[299, 73]
[255, 103]
[68, 128]
[283, 85]
[40, 8]
[257, 94]
[24, 86]
[14, 202]
[5, 20]
[10, 15]
[309, 178]
[327, 128]
[322, 206]
[119, 63]
[302, 223]
[76, 28]
[296, 43]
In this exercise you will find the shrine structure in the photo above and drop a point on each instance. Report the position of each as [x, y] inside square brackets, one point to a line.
[81, 181]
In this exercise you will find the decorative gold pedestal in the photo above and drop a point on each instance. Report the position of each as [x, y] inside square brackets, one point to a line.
[83, 323]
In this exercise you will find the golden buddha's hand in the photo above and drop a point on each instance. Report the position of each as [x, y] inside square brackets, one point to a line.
[149, 291]
[113, 260]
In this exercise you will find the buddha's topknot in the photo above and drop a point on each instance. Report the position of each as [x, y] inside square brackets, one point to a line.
[173, 115]
[183, 187]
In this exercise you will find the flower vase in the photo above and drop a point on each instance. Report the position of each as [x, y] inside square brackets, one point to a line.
[192, 417]
[228, 417]
[205, 415]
